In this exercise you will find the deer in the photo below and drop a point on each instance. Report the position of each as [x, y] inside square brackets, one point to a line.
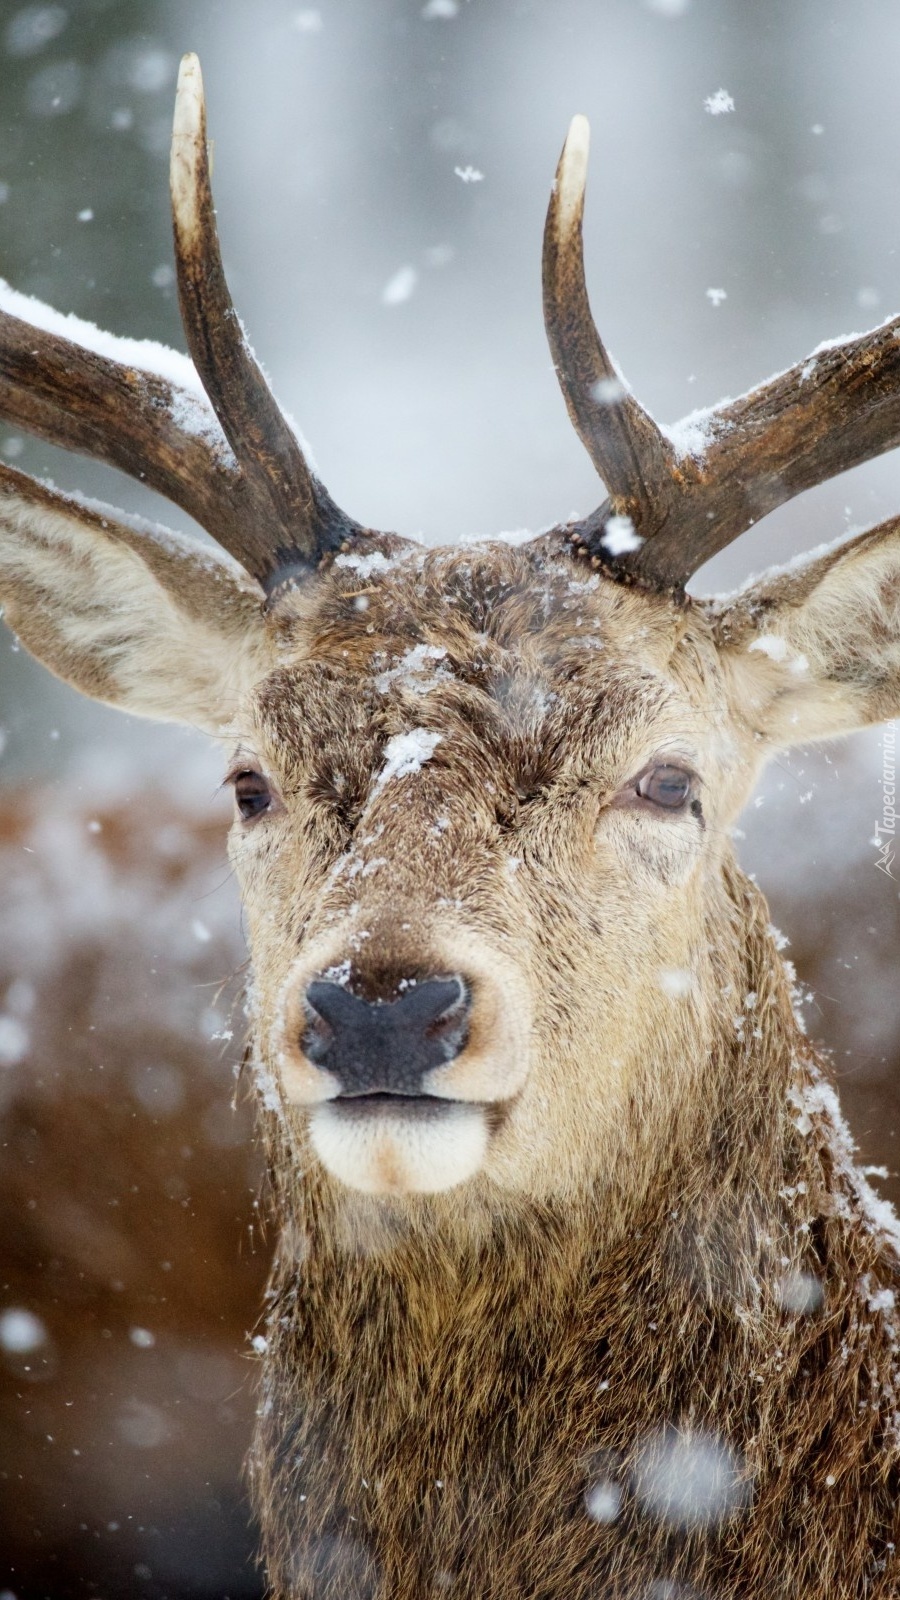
[577, 1288]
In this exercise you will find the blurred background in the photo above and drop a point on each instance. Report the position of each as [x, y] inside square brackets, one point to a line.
[381, 172]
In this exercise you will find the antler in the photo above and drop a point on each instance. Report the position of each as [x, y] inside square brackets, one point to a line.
[247, 483]
[282, 492]
[741, 459]
[621, 438]
[71, 395]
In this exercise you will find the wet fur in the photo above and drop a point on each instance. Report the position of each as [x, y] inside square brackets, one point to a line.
[445, 1380]
[434, 1400]
[447, 1376]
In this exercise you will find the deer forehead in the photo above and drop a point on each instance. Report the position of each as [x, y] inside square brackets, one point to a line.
[499, 652]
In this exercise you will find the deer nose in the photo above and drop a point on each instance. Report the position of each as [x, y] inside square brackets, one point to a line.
[385, 1046]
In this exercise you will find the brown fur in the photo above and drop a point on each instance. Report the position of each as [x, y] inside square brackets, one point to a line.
[438, 1402]
[614, 1284]
[446, 1376]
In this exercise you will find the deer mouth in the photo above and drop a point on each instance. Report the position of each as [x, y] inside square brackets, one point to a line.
[384, 1103]
[394, 1144]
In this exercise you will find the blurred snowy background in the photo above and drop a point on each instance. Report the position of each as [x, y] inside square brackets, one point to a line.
[381, 171]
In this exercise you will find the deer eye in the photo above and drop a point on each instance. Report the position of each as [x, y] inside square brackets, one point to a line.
[252, 794]
[665, 786]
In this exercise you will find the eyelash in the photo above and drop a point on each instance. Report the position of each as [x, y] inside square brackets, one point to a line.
[671, 776]
[250, 787]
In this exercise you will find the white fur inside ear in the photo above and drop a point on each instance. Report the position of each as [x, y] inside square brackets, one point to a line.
[827, 659]
[128, 613]
[419, 1149]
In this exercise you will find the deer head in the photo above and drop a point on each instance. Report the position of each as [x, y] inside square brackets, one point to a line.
[483, 794]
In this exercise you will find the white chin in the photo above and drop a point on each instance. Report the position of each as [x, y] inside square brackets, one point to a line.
[410, 1148]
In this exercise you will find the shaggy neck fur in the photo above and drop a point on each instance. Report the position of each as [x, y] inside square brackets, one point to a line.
[443, 1390]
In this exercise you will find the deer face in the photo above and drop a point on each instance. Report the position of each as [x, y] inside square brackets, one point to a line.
[480, 805]
[483, 795]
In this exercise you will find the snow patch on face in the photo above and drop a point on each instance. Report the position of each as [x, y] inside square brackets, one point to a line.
[418, 669]
[407, 753]
[364, 563]
[778, 649]
[421, 1150]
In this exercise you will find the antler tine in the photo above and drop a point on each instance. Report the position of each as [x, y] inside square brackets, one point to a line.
[295, 522]
[837, 409]
[833, 411]
[117, 412]
[630, 453]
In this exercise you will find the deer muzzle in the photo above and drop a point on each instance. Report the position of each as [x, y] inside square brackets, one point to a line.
[405, 1074]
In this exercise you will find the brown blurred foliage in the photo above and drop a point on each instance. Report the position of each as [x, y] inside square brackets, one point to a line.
[128, 1188]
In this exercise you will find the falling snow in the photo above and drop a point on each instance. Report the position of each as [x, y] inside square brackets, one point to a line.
[55, 90]
[21, 1331]
[683, 1479]
[400, 287]
[308, 21]
[718, 104]
[13, 1041]
[34, 27]
[689, 1479]
[676, 982]
[800, 1293]
[603, 1500]
[608, 391]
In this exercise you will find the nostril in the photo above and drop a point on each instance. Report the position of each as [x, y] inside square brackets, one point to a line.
[450, 1030]
[426, 1005]
[318, 1034]
[335, 1005]
[385, 1046]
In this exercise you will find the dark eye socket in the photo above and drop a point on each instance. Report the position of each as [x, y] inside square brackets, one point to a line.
[669, 787]
[252, 794]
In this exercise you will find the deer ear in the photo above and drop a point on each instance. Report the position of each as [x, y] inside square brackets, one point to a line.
[146, 620]
[814, 650]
